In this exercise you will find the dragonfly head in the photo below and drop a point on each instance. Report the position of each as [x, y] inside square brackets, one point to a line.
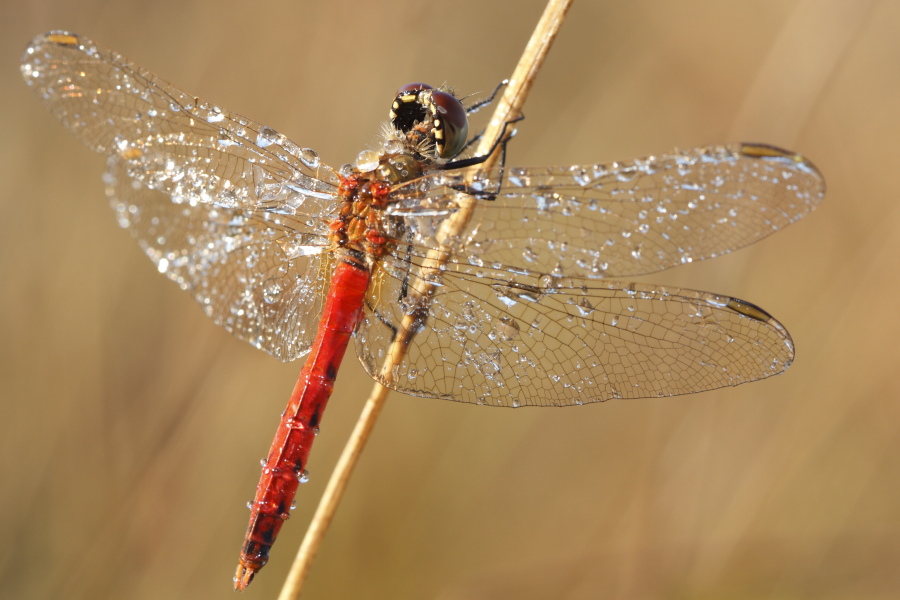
[431, 116]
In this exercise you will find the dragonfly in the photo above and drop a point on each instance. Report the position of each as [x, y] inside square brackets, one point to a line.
[524, 305]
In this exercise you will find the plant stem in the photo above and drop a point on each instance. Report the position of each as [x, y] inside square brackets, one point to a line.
[508, 108]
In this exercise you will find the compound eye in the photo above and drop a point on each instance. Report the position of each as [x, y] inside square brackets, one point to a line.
[427, 113]
[406, 109]
[451, 127]
[413, 87]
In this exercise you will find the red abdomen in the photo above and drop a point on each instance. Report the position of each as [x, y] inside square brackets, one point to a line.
[287, 457]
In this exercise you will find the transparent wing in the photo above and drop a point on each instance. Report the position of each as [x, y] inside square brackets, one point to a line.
[229, 209]
[615, 220]
[169, 140]
[557, 341]
[520, 314]
[252, 272]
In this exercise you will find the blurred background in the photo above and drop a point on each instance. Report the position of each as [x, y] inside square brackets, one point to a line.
[132, 426]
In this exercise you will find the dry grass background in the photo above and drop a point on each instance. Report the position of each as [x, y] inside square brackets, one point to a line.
[131, 426]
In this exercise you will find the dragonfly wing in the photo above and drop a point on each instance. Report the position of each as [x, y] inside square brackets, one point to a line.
[229, 209]
[621, 219]
[262, 281]
[559, 341]
[171, 141]
[520, 313]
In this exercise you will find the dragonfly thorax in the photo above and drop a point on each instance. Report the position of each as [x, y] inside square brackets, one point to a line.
[398, 168]
[366, 194]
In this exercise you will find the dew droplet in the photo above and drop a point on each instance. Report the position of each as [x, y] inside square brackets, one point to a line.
[266, 137]
[272, 290]
[580, 175]
[309, 158]
[584, 307]
[367, 160]
[518, 176]
[215, 115]
[508, 329]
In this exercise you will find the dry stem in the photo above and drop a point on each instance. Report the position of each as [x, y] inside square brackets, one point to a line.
[508, 108]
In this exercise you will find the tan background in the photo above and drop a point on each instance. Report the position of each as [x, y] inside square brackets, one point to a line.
[132, 427]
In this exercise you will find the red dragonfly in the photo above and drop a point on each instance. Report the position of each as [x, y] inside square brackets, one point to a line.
[296, 257]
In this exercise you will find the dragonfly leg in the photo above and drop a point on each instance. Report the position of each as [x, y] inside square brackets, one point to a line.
[382, 319]
[474, 108]
[502, 139]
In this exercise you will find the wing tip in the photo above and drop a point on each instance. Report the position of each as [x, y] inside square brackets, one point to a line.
[61, 38]
[57, 37]
[769, 152]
